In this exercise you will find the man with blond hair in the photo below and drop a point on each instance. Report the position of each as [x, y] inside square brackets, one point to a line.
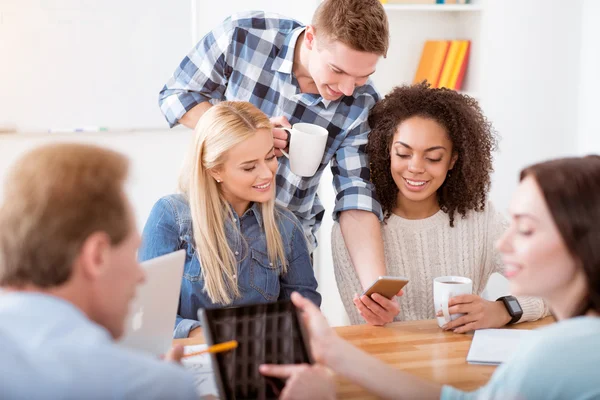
[68, 272]
[317, 74]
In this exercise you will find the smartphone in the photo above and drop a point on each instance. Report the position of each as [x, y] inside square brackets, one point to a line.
[387, 286]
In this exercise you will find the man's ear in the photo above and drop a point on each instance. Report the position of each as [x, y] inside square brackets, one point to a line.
[94, 255]
[453, 160]
[309, 37]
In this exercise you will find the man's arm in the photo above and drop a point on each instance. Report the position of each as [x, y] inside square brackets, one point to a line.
[203, 75]
[356, 208]
[190, 118]
[362, 236]
[359, 215]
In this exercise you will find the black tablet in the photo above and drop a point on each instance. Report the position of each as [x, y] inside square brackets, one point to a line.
[266, 334]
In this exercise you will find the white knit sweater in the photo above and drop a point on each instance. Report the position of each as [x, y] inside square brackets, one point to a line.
[424, 249]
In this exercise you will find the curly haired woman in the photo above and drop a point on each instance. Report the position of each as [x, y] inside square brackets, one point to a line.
[431, 159]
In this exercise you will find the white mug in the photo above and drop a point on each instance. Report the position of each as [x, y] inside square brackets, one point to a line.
[307, 145]
[446, 287]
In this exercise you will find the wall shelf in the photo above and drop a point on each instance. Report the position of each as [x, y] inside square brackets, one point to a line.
[433, 7]
[411, 25]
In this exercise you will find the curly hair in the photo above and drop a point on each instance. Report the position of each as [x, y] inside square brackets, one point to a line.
[471, 134]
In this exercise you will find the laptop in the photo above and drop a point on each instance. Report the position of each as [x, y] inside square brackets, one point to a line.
[151, 320]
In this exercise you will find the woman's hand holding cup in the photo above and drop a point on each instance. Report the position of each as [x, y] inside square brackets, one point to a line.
[476, 313]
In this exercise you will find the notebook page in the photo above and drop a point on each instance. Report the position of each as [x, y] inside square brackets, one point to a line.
[201, 367]
[496, 346]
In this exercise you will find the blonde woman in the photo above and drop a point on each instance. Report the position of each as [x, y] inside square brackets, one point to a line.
[241, 248]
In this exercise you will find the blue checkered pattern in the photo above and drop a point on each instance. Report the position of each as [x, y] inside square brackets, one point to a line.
[249, 57]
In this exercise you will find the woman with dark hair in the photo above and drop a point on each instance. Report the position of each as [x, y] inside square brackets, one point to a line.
[430, 154]
[549, 250]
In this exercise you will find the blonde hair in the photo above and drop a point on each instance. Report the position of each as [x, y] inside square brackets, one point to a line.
[55, 197]
[220, 128]
[362, 25]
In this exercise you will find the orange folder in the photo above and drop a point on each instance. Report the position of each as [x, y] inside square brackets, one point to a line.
[460, 66]
[432, 61]
[449, 64]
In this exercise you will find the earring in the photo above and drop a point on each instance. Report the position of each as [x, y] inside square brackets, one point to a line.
[218, 181]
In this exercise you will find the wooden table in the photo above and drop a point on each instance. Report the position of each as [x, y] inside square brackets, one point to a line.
[417, 347]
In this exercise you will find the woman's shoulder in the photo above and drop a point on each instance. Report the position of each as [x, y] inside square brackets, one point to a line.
[336, 233]
[338, 245]
[573, 336]
[572, 330]
[175, 200]
[488, 216]
[559, 355]
[175, 206]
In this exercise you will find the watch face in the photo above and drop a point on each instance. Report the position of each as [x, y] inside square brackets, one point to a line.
[514, 305]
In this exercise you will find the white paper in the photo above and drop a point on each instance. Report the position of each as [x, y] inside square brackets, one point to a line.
[496, 346]
[201, 368]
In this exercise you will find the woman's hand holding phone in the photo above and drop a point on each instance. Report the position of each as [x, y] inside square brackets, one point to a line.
[377, 305]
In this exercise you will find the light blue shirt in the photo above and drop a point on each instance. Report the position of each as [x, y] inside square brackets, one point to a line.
[561, 363]
[50, 350]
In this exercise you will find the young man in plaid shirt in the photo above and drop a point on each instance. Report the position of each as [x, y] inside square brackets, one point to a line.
[294, 73]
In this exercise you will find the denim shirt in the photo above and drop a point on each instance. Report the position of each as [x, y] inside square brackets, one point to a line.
[169, 228]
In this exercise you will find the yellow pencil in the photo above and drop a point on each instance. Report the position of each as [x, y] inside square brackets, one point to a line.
[217, 348]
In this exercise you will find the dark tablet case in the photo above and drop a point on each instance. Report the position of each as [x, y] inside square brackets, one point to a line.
[266, 334]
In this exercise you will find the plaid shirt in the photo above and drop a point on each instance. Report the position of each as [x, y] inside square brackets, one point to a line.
[249, 57]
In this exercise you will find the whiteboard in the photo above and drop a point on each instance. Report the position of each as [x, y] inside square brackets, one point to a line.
[74, 63]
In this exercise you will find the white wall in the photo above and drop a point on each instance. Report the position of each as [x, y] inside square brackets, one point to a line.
[155, 157]
[588, 133]
[208, 14]
[73, 63]
[529, 86]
